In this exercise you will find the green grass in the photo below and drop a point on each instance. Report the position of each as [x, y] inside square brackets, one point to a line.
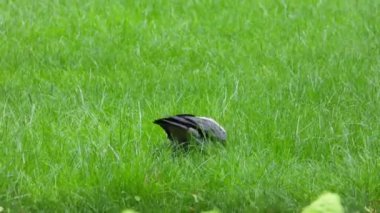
[296, 84]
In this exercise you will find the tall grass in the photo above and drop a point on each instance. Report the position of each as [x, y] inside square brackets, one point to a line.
[295, 84]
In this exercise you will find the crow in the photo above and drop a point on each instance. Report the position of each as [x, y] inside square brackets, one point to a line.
[183, 128]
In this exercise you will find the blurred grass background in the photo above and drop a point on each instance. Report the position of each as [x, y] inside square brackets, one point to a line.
[295, 84]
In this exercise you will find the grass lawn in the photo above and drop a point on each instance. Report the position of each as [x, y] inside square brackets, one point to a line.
[296, 84]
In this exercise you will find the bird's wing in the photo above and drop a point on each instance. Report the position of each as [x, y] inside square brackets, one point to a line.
[183, 120]
[213, 128]
[183, 126]
[174, 128]
[209, 128]
[197, 124]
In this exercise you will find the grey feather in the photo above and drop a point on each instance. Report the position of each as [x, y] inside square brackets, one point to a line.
[182, 128]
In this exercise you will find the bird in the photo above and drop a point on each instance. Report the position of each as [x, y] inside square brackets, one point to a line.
[181, 129]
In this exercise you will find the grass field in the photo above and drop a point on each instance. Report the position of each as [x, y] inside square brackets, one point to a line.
[296, 84]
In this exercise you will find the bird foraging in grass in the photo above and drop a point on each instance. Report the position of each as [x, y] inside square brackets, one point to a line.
[181, 129]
